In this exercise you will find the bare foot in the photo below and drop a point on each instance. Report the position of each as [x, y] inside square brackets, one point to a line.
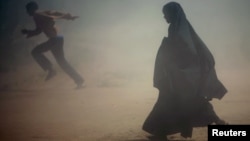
[80, 85]
[50, 75]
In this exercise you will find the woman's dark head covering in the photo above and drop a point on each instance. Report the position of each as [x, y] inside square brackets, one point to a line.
[181, 35]
[180, 28]
[174, 11]
[179, 25]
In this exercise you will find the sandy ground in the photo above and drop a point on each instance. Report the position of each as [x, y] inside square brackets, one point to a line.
[110, 108]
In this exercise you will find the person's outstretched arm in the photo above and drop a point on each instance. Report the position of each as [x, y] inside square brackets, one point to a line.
[59, 15]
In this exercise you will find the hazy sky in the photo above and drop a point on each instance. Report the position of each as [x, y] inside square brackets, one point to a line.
[125, 31]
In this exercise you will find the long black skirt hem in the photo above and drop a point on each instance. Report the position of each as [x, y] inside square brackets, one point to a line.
[170, 116]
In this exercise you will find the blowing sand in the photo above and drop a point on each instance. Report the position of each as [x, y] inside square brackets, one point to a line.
[112, 106]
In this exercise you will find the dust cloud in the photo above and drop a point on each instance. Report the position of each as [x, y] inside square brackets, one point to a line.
[123, 36]
[113, 45]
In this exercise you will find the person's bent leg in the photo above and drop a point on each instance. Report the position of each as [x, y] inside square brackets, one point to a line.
[40, 58]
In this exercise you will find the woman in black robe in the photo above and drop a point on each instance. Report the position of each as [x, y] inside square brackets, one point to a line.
[185, 76]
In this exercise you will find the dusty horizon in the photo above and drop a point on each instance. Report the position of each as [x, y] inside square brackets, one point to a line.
[113, 45]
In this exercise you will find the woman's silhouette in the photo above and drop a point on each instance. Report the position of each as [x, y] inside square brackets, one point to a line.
[185, 76]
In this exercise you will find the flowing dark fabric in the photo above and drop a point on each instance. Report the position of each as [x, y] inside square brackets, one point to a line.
[185, 76]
